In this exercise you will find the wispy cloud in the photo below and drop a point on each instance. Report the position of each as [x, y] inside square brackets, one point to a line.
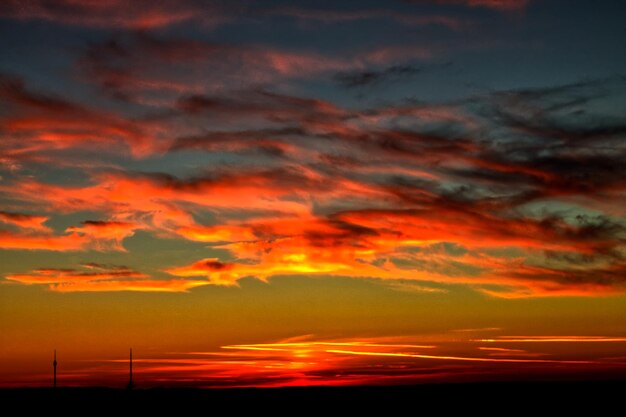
[151, 70]
[554, 339]
[501, 5]
[25, 221]
[451, 358]
[371, 78]
[330, 16]
[95, 277]
[37, 124]
[312, 360]
[141, 14]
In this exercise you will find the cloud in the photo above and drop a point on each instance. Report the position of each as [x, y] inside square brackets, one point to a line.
[105, 234]
[375, 244]
[371, 78]
[262, 104]
[146, 14]
[553, 339]
[501, 5]
[269, 142]
[96, 277]
[37, 124]
[140, 14]
[452, 358]
[13, 240]
[151, 70]
[507, 192]
[335, 16]
[65, 276]
[91, 235]
[219, 271]
[25, 221]
[498, 4]
[222, 233]
[396, 54]
[437, 216]
[313, 360]
[604, 279]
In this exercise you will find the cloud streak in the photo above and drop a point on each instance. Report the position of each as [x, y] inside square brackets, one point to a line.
[347, 361]
[25, 221]
[555, 339]
[140, 14]
[500, 5]
[95, 277]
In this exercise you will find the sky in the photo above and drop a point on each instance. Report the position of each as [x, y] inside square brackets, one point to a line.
[277, 193]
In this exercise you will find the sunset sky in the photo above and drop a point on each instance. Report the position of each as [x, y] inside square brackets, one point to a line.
[270, 193]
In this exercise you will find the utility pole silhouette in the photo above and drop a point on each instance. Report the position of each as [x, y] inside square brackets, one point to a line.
[54, 365]
[130, 381]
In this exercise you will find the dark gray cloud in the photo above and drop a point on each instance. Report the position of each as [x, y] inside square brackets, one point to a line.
[357, 79]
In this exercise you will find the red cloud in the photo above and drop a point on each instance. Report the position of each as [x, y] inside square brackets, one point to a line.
[503, 5]
[36, 124]
[146, 14]
[95, 235]
[137, 14]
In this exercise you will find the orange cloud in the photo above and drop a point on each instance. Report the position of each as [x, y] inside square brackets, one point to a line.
[217, 233]
[453, 358]
[25, 221]
[375, 244]
[345, 192]
[105, 234]
[95, 277]
[284, 237]
[553, 339]
[69, 276]
[359, 243]
[11, 240]
[95, 235]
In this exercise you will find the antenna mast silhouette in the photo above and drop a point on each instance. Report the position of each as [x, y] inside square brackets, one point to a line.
[130, 381]
[54, 365]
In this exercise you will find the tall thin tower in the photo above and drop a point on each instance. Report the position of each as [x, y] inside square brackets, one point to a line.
[130, 381]
[54, 365]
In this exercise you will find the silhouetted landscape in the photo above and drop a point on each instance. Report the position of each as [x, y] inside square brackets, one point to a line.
[492, 397]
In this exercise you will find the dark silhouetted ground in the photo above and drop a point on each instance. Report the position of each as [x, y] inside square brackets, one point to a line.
[487, 398]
